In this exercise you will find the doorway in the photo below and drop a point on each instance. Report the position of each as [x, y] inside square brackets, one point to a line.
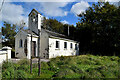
[33, 48]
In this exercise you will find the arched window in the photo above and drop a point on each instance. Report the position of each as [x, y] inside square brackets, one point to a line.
[25, 46]
[20, 43]
[75, 46]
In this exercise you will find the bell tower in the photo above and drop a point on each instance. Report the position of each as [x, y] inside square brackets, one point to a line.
[34, 21]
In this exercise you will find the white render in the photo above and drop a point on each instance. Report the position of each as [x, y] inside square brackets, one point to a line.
[61, 51]
[5, 54]
[29, 44]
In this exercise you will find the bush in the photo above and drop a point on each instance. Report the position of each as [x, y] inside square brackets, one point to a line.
[44, 65]
[7, 64]
[21, 74]
[63, 72]
[24, 62]
[23, 67]
[83, 66]
[8, 73]
[76, 69]
[12, 70]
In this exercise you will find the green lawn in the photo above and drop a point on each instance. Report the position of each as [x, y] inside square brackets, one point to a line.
[83, 66]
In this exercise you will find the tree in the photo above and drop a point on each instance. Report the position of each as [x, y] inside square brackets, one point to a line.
[8, 33]
[53, 25]
[72, 31]
[99, 29]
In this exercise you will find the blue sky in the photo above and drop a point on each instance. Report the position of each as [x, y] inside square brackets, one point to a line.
[65, 11]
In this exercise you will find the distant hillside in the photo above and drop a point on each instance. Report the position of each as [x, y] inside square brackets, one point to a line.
[83, 66]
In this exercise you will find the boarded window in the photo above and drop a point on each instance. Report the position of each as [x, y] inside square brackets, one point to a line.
[25, 47]
[71, 46]
[20, 43]
[57, 44]
[65, 45]
[75, 46]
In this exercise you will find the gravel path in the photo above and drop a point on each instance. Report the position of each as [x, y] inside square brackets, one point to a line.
[35, 60]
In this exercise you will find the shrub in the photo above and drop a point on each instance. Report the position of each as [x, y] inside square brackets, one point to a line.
[23, 67]
[44, 65]
[52, 66]
[83, 66]
[24, 62]
[8, 73]
[21, 74]
[76, 69]
[63, 72]
[7, 64]
[114, 58]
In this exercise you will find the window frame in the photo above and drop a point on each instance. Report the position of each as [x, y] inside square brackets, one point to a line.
[58, 45]
[76, 47]
[65, 45]
[71, 45]
[20, 43]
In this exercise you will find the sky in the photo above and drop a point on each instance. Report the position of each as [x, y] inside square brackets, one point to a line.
[65, 11]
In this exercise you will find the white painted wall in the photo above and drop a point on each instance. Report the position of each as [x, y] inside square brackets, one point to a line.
[54, 52]
[35, 38]
[5, 54]
[8, 51]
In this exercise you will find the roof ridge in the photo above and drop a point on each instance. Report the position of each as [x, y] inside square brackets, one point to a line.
[55, 32]
[34, 10]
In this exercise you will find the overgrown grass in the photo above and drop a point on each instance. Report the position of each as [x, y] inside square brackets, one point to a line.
[83, 66]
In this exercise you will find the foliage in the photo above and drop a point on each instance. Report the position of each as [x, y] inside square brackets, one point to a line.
[53, 25]
[99, 29]
[9, 31]
[83, 66]
[24, 62]
[56, 26]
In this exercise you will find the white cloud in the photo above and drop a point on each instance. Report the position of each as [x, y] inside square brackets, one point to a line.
[65, 22]
[50, 9]
[53, 8]
[41, 0]
[59, 0]
[112, 0]
[13, 13]
[79, 7]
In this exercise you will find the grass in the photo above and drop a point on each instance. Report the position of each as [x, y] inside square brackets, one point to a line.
[83, 66]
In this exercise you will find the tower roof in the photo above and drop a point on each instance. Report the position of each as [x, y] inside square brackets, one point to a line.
[34, 10]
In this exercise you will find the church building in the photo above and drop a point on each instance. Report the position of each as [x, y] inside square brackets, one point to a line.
[51, 44]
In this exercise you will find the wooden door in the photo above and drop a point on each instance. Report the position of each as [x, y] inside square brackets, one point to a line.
[33, 49]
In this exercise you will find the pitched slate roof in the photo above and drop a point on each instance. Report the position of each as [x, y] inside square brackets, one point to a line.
[34, 10]
[51, 33]
[29, 32]
[58, 35]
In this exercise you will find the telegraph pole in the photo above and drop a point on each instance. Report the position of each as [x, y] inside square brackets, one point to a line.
[68, 30]
[39, 61]
[31, 56]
